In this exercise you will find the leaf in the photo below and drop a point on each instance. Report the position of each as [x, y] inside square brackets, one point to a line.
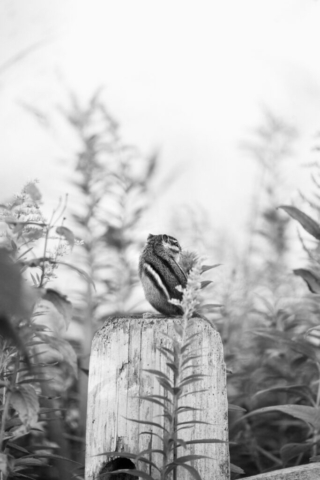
[33, 380]
[17, 447]
[35, 283]
[166, 352]
[60, 302]
[158, 373]
[67, 234]
[310, 415]
[24, 400]
[192, 379]
[205, 440]
[193, 422]
[193, 392]
[236, 408]
[50, 455]
[292, 450]
[187, 409]
[205, 283]
[160, 397]
[152, 424]
[301, 390]
[236, 469]
[190, 458]
[35, 462]
[166, 385]
[205, 268]
[166, 415]
[310, 225]
[152, 400]
[197, 376]
[149, 450]
[189, 359]
[173, 367]
[310, 278]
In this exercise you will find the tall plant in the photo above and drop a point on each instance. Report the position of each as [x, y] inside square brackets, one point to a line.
[113, 183]
[271, 148]
[300, 353]
[35, 359]
[260, 297]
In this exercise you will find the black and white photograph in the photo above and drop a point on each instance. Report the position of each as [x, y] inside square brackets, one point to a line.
[160, 239]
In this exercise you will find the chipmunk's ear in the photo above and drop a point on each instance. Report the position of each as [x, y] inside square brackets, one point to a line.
[150, 236]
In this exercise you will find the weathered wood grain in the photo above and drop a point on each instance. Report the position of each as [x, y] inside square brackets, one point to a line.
[302, 472]
[121, 349]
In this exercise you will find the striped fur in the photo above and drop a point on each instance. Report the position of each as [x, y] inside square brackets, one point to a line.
[151, 273]
[160, 273]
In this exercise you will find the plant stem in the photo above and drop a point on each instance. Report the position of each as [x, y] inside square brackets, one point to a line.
[269, 455]
[178, 357]
[44, 255]
[176, 378]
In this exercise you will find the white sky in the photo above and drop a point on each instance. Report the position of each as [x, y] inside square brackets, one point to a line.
[189, 77]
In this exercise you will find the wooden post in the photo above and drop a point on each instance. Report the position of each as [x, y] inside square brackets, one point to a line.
[121, 349]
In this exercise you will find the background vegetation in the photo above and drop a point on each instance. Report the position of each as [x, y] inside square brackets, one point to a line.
[267, 322]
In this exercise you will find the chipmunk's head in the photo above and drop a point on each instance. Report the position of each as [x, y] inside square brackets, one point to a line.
[170, 244]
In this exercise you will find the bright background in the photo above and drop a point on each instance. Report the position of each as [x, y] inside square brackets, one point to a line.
[190, 78]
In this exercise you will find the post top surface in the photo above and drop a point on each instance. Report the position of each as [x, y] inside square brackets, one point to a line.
[122, 322]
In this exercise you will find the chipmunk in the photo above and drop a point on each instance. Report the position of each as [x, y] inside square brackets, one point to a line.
[160, 273]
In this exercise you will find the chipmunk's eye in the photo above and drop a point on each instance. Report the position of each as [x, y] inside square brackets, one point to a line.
[165, 238]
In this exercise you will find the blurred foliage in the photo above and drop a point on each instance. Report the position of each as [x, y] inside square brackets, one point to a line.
[268, 322]
[37, 365]
[266, 330]
[113, 191]
[113, 184]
